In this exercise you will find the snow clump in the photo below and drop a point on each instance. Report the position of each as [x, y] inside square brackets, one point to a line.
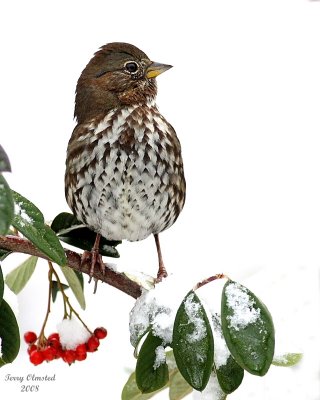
[156, 309]
[72, 333]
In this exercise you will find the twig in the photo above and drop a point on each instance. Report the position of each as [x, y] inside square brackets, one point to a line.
[208, 280]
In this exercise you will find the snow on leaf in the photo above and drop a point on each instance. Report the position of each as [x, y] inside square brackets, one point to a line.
[156, 309]
[19, 210]
[229, 373]
[287, 359]
[192, 309]
[160, 357]
[247, 328]
[152, 371]
[242, 306]
[221, 351]
[193, 342]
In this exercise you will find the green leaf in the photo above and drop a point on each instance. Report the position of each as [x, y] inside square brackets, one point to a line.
[150, 377]
[29, 221]
[9, 333]
[75, 233]
[80, 277]
[4, 161]
[193, 342]
[65, 222]
[4, 254]
[248, 328]
[230, 375]
[1, 285]
[6, 206]
[75, 285]
[131, 391]
[17, 279]
[287, 359]
[56, 288]
[179, 388]
[228, 372]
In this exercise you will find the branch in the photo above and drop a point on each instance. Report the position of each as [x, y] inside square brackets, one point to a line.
[115, 279]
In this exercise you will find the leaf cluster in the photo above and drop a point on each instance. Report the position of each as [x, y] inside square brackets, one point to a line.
[191, 362]
[9, 330]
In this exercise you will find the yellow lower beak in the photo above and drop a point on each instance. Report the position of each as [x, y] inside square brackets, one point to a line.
[156, 69]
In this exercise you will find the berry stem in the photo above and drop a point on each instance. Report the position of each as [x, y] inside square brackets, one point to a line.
[42, 338]
[72, 310]
[64, 296]
[66, 302]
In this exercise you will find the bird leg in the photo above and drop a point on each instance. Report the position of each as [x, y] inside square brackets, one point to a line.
[93, 257]
[162, 272]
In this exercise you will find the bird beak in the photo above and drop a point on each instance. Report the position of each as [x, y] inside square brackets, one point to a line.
[156, 69]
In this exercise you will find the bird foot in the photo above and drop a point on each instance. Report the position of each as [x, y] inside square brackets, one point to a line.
[94, 259]
[162, 273]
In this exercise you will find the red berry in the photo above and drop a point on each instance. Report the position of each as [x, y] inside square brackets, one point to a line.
[30, 337]
[69, 356]
[81, 349]
[36, 357]
[59, 352]
[54, 343]
[32, 348]
[81, 356]
[92, 343]
[54, 336]
[49, 353]
[100, 333]
[81, 352]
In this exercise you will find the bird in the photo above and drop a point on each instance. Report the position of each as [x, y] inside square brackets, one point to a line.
[124, 174]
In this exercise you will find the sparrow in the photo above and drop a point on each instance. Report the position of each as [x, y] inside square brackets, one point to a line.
[124, 174]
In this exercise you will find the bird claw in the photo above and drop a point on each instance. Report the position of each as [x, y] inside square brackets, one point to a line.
[162, 273]
[95, 260]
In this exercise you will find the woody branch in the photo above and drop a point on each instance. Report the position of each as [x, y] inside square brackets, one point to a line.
[118, 280]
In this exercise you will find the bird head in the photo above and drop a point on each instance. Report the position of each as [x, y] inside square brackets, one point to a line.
[118, 75]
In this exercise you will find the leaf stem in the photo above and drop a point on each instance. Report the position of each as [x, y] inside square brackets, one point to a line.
[208, 280]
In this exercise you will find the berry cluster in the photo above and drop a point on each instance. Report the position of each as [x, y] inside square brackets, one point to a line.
[51, 349]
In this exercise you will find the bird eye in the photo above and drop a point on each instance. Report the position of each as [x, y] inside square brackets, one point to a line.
[131, 66]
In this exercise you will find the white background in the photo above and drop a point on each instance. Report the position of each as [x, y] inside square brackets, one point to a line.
[244, 98]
